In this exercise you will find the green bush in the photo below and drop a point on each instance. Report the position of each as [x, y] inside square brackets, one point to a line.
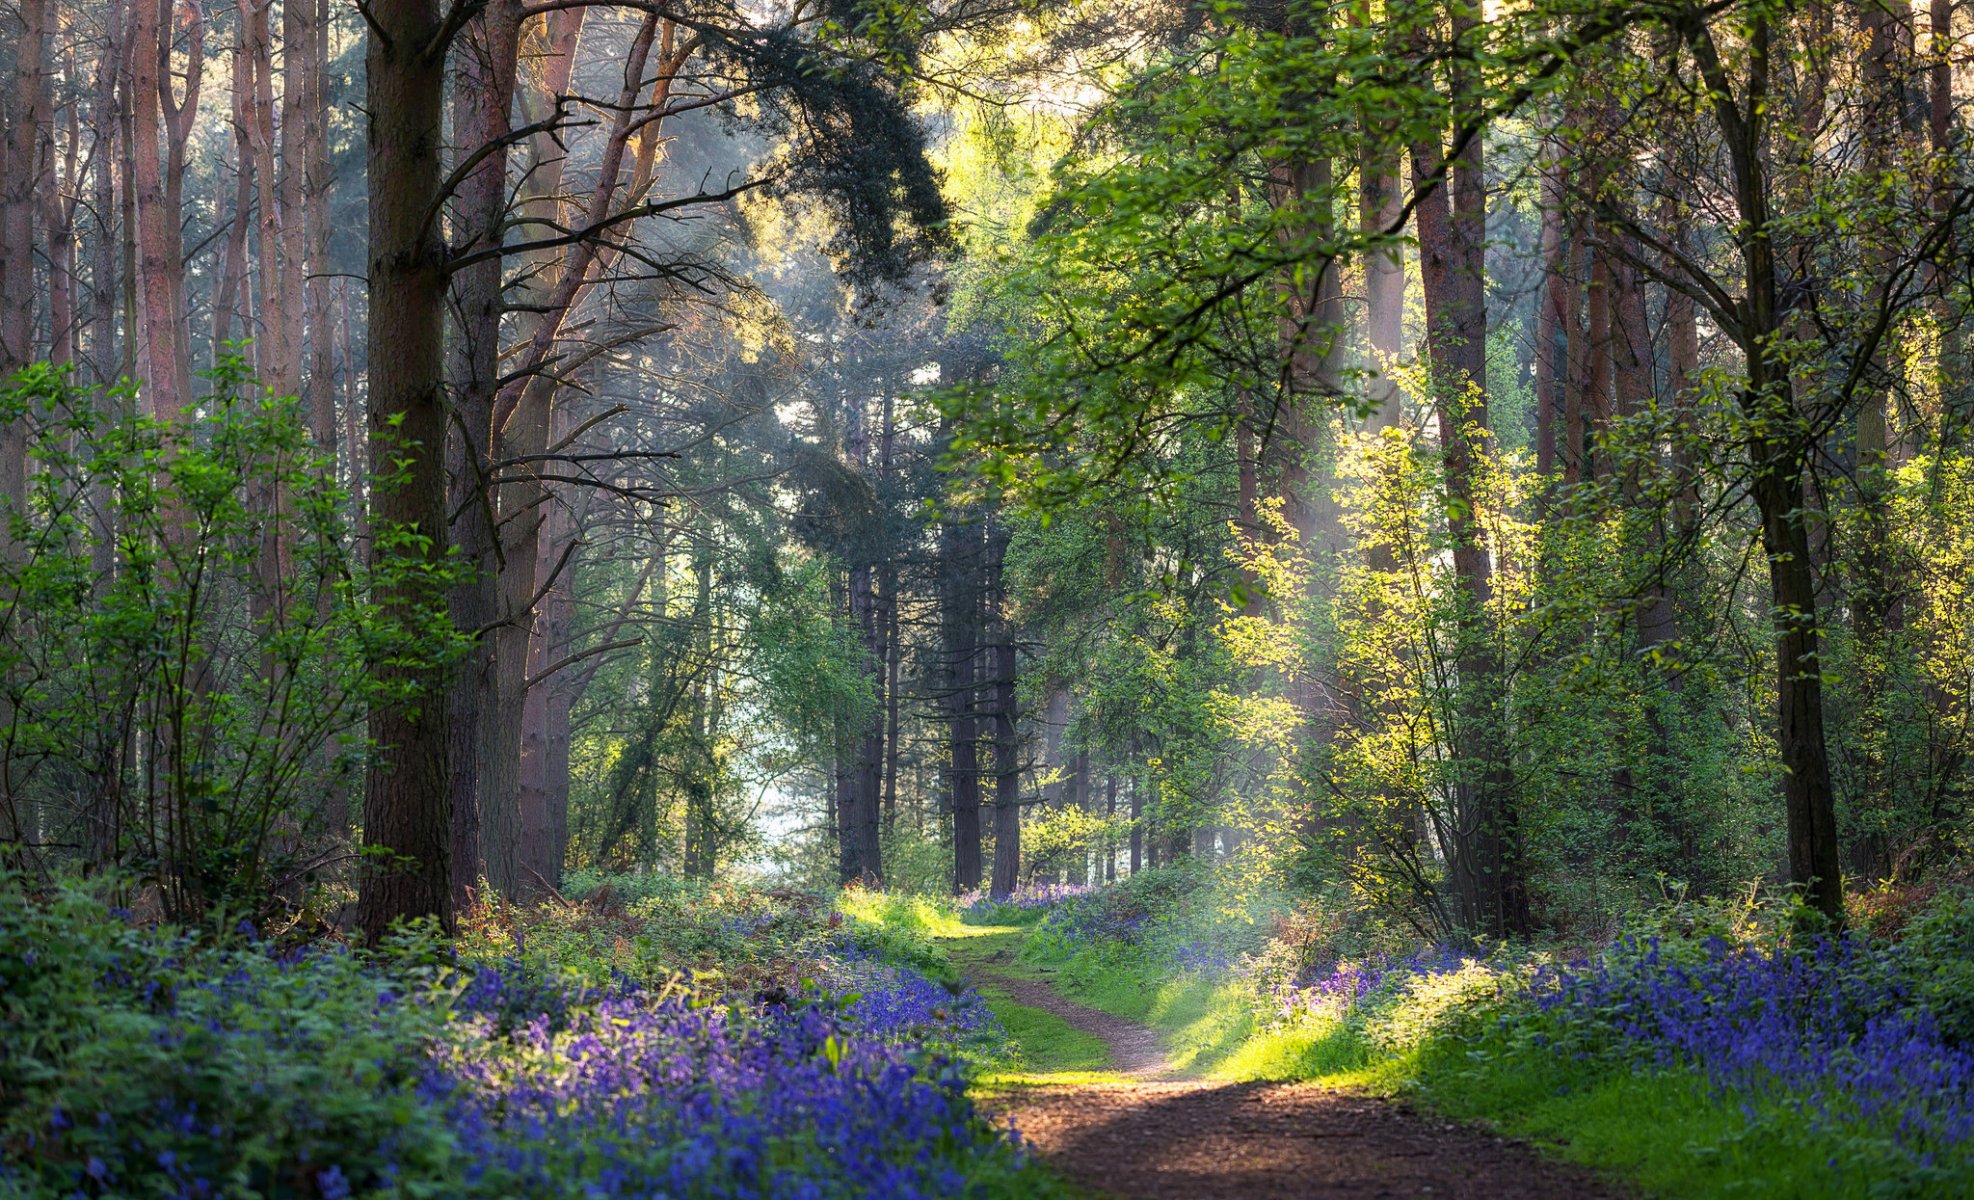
[145, 1052]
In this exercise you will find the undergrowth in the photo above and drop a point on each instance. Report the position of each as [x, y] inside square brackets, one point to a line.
[632, 1037]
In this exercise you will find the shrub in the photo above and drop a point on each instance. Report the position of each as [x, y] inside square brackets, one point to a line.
[234, 645]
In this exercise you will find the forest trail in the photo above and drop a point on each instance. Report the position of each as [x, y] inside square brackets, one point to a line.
[1145, 1131]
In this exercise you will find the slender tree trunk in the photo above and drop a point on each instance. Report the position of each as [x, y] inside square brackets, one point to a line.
[105, 124]
[522, 419]
[104, 354]
[1452, 215]
[1777, 449]
[181, 119]
[1596, 381]
[1137, 828]
[1875, 607]
[1007, 746]
[959, 634]
[59, 196]
[698, 853]
[1110, 814]
[861, 857]
[26, 114]
[318, 177]
[406, 805]
[1683, 372]
[233, 267]
[279, 180]
[160, 279]
[1954, 358]
[887, 606]
[543, 828]
[483, 97]
[1552, 310]
[1381, 213]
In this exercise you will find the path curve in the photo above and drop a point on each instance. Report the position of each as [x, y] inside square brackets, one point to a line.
[1161, 1136]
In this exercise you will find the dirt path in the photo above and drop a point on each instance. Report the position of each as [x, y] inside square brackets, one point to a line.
[1160, 1136]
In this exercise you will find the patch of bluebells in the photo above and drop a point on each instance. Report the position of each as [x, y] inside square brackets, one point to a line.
[1832, 1032]
[1330, 990]
[900, 1006]
[633, 1096]
[1088, 924]
[1029, 899]
[1204, 960]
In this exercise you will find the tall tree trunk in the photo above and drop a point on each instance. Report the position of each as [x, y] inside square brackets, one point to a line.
[311, 34]
[699, 852]
[1875, 609]
[959, 628]
[887, 607]
[159, 272]
[105, 125]
[1596, 380]
[1552, 309]
[861, 853]
[1940, 142]
[233, 265]
[1312, 343]
[1381, 214]
[1137, 828]
[1488, 886]
[542, 828]
[1110, 815]
[524, 415]
[279, 180]
[1682, 375]
[1778, 447]
[26, 114]
[181, 118]
[1007, 746]
[59, 196]
[406, 804]
[483, 98]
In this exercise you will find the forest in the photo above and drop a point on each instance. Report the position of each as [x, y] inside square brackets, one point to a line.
[986, 598]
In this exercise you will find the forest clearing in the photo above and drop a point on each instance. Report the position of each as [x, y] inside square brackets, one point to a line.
[986, 598]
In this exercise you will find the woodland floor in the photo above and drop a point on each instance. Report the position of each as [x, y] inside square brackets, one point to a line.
[1143, 1131]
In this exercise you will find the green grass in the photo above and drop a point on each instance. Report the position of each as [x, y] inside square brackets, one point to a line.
[1046, 1051]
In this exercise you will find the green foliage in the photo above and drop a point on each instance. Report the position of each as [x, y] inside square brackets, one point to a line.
[899, 928]
[1939, 949]
[192, 646]
[125, 1044]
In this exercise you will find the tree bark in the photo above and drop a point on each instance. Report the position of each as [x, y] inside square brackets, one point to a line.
[279, 179]
[959, 634]
[310, 33]
[1552, 310]
[1007, 746]
[26, 114]
[1778, 448]
[544, 831]
[105, 124]
[226, 307]
[484, 74]
[1488, 886]
[406, 804]
[159, 271]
